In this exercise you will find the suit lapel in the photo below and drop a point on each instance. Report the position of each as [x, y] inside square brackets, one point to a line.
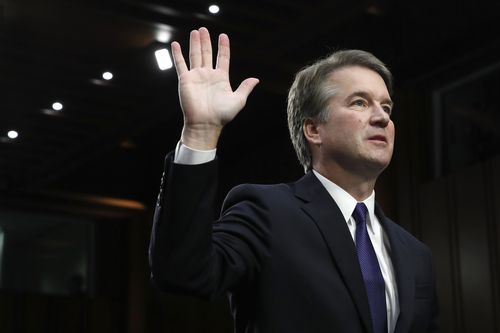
[400, 255]
[323, 210]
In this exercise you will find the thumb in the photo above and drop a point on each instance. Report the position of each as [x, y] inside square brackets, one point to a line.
[246, 87]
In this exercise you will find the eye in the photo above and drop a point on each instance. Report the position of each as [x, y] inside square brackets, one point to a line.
[359, 102]
[387, 109]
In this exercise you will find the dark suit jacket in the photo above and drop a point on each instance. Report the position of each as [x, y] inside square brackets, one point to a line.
[282, 252]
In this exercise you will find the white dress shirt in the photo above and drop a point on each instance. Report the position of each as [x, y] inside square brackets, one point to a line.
[346, 203]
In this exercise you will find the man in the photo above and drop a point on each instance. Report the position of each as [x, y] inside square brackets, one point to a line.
[317, 255]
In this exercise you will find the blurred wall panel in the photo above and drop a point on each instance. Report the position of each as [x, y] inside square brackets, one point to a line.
[459, 219]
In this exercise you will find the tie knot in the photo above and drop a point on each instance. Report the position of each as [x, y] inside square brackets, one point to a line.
[360, 212]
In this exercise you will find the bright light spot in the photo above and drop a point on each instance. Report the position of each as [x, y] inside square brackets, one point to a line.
[163, 36]
[163, 59]
[57, 106]
[12, 134]
[107, 76]
[214, 9]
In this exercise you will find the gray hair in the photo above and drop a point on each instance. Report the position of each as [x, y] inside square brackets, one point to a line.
[309, 94]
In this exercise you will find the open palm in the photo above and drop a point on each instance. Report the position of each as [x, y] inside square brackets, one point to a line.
[207, 99]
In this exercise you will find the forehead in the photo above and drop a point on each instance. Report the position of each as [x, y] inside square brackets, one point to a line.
[355, 78]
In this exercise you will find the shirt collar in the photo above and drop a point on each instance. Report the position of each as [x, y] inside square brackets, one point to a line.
[344, 200]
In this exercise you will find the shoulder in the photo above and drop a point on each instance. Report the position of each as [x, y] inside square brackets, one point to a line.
[407, 238]
[275, 192]
[258, 193]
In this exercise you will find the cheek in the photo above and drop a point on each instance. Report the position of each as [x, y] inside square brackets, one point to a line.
[351, 124]
[391, 130]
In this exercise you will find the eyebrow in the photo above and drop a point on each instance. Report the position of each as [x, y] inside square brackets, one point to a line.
[366, 95]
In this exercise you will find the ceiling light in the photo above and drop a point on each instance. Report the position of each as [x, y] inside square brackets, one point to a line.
[163, 59]
[214, 9]
[107, 76]
[57, 106]
[12, 134]
[163, 36]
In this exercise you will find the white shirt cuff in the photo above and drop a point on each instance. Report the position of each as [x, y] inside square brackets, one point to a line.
[190, 156]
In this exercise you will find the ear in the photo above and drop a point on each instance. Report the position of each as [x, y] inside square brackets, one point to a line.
[311, 132]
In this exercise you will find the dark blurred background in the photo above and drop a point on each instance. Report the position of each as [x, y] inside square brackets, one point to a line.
[78, 185]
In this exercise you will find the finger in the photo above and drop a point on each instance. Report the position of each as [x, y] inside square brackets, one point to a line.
[223, 53]
[206, 48]
[246, 87]
[194, 49]
[179, 62]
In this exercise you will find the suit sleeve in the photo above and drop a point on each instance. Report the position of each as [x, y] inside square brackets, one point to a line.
[189, 252]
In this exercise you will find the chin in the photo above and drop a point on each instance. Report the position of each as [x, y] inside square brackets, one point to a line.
[378, 165]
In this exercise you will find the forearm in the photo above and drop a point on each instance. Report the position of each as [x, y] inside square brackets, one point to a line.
[181, 244]
[191, 254]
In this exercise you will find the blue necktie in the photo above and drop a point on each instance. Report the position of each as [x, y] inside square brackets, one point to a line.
[374, 282]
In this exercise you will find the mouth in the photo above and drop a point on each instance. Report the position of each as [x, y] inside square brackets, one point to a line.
[378, 138]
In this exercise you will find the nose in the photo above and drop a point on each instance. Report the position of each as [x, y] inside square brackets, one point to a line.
[380, 117]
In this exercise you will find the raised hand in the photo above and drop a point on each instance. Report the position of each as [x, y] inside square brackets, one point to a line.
[207, 99]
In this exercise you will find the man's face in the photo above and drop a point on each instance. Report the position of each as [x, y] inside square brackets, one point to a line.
[359, 133]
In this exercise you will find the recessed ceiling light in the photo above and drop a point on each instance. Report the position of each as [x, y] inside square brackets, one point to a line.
[57, 106]
[163, 36]
[214, 9]
[107, 76]
[163, 59]
[12, 134]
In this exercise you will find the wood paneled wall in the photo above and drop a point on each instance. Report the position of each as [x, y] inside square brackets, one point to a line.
[459, 219]
[457, 215]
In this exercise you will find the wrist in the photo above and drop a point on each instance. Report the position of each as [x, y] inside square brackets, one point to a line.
[201, 137]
